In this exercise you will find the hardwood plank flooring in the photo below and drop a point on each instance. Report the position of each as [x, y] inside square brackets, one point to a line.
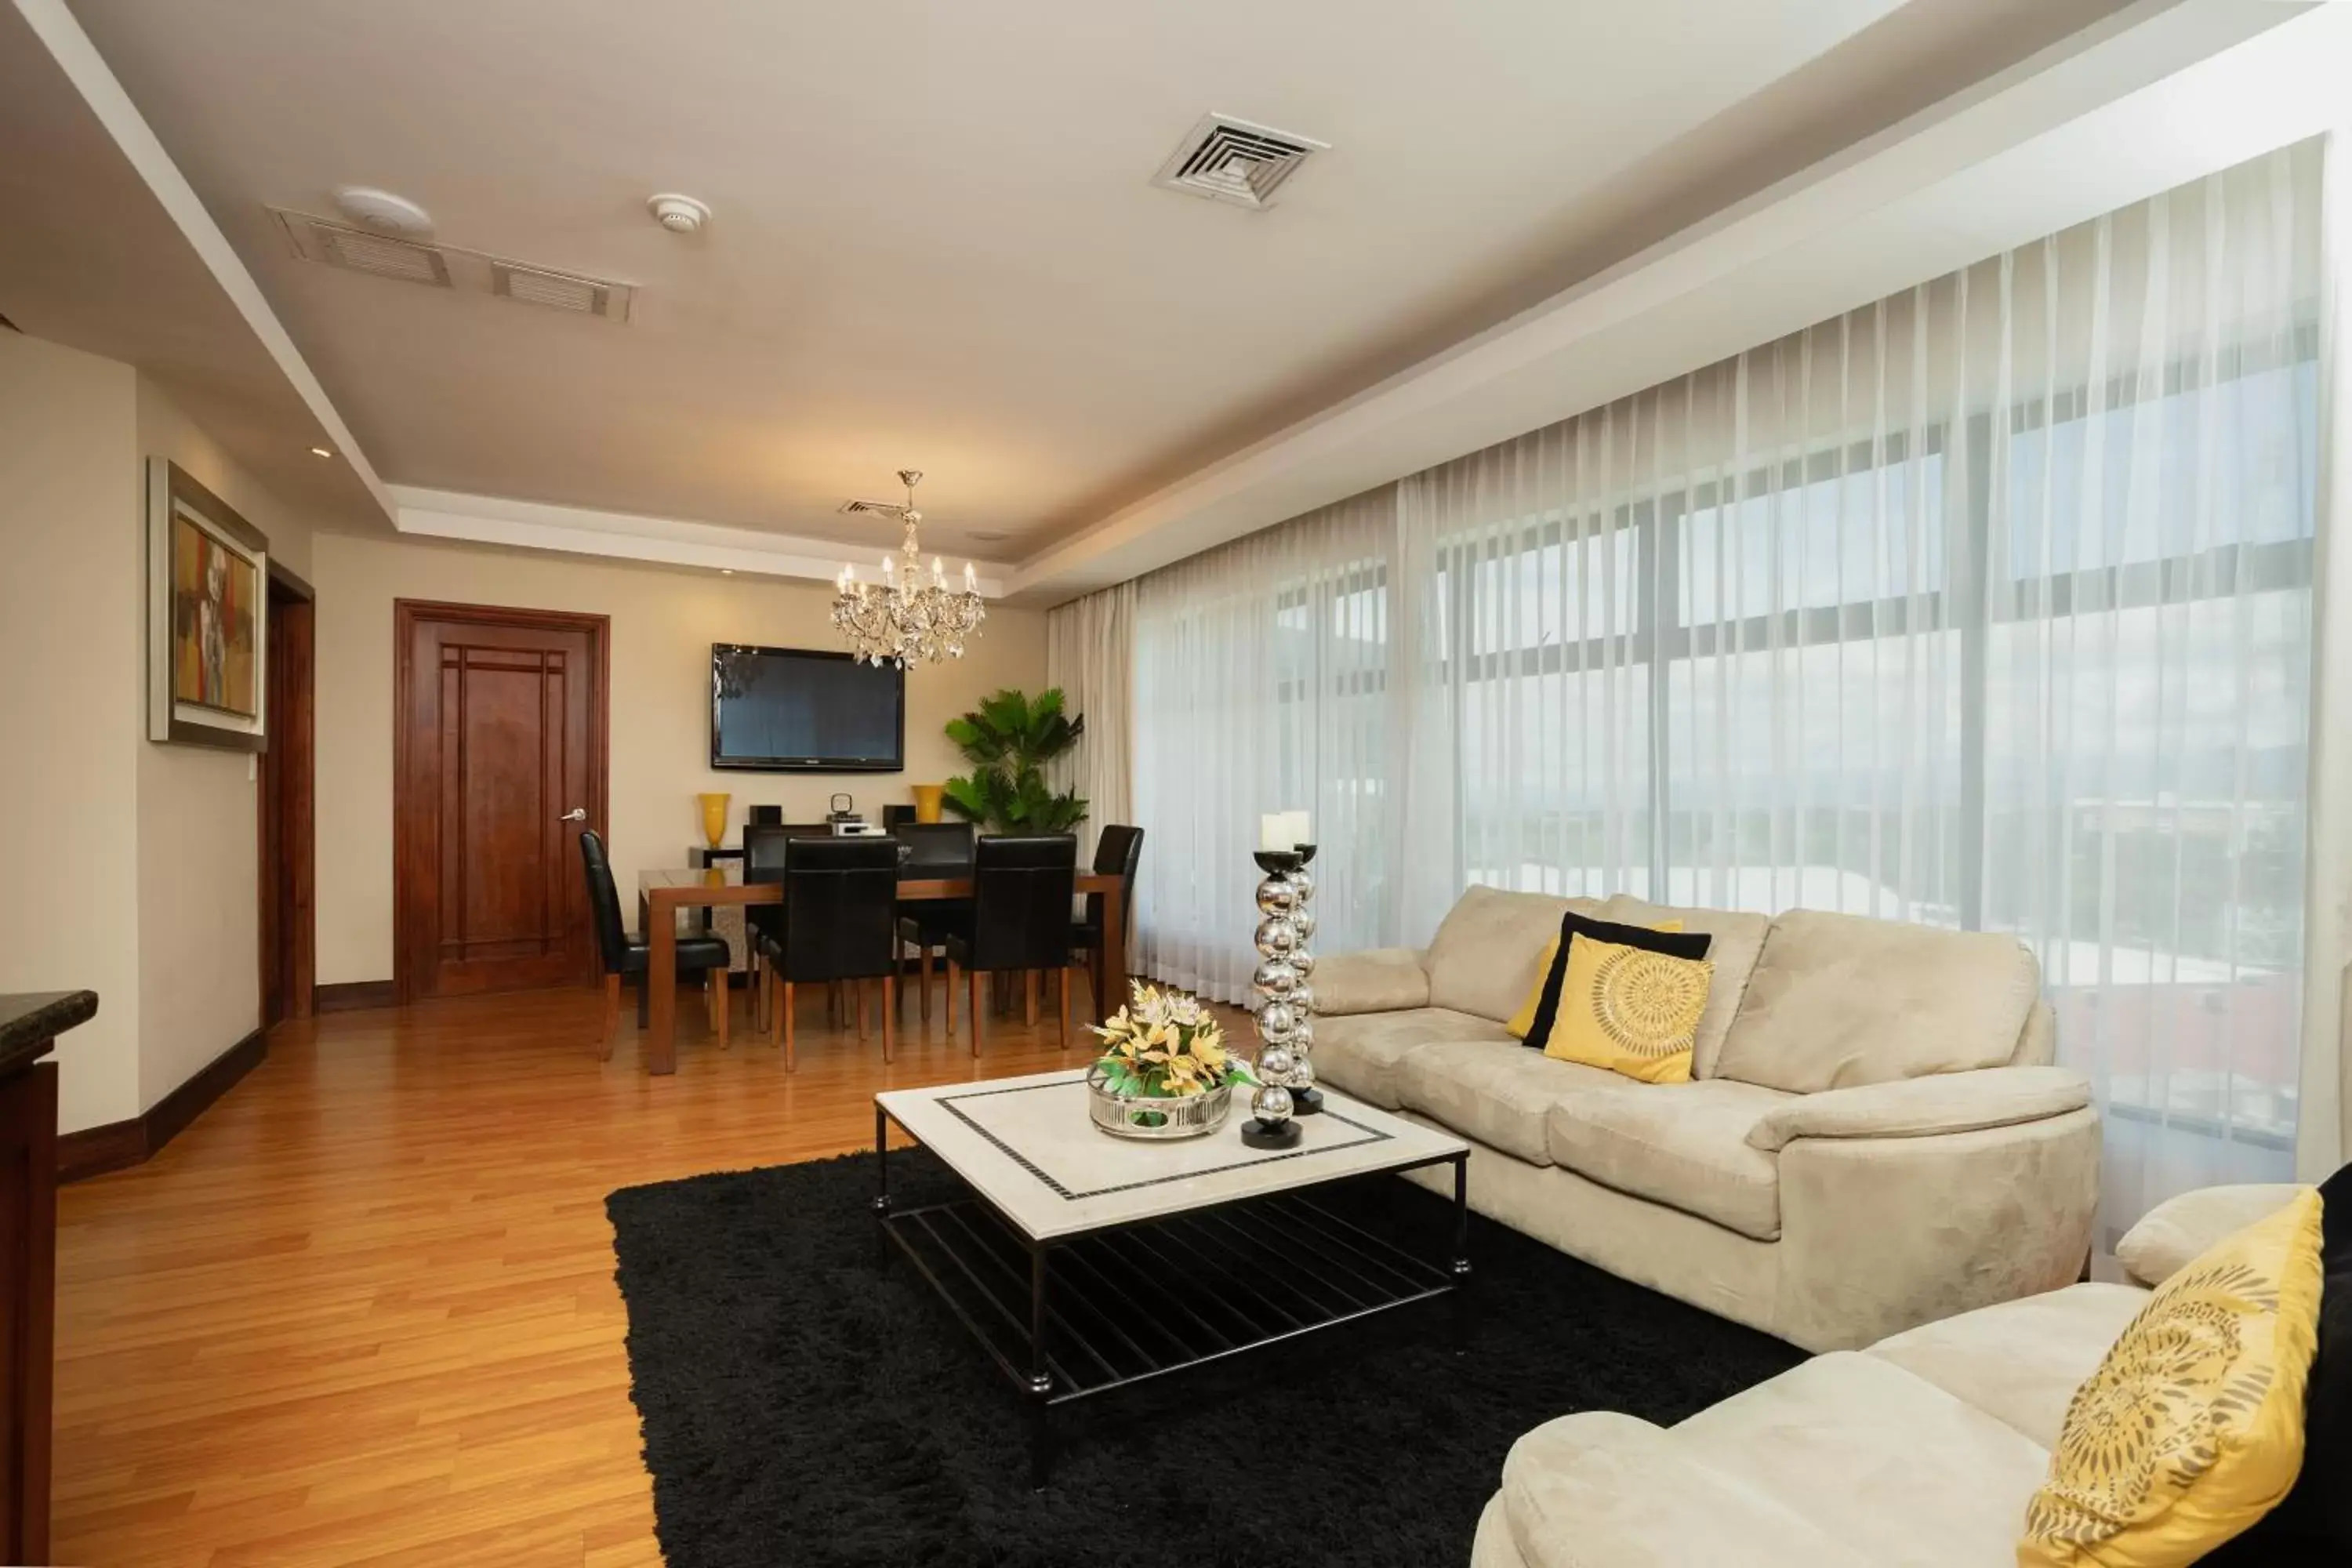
[363, 1311]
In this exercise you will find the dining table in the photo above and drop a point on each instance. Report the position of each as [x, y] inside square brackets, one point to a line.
[664, 892]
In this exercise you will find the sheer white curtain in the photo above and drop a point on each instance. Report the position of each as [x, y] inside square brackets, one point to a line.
[1261, 685]
[1988, 605]
[1089, 654]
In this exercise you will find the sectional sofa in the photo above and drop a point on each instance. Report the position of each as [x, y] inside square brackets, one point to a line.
[1874, 1136]
[1921, 1450]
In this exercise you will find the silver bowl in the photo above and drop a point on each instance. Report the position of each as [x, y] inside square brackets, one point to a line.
[1149, 1115]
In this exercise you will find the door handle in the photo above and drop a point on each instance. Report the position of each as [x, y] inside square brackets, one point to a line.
[577, 813]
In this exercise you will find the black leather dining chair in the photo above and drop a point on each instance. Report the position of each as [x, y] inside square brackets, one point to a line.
[933, 849]
[621, 956]
[764, 861]
[1021, 892]
[837, 922]
[1119, 852]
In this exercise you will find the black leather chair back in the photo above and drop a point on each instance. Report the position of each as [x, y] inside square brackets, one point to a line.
[1119, 852]
[936, 848]
[764, 861]
[840, 909]
[605, 904]
[1021, 892]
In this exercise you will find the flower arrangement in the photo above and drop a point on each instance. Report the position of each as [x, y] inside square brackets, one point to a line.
[1163, 1045]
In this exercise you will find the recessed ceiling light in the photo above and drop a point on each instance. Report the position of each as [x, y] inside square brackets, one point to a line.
[727, 571]
[320, 452]
[990, 538]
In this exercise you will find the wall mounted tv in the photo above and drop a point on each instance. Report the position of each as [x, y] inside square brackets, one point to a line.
[799, 711]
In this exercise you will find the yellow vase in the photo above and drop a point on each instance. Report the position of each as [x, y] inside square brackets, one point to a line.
[714, 817]
[927, 802]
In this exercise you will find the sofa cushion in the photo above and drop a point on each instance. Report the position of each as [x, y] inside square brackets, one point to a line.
[1488, 953]
[1358, 1054]
[2019, 1362]
[1600, 1488]
[1380, 980]
[2173, 1234]
[1498, 1093]
[1840, 1000]
[1680, 1144]
[1887, 1464]
[1738, 937]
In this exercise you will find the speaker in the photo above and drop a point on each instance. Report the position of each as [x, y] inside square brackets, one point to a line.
[767, 816]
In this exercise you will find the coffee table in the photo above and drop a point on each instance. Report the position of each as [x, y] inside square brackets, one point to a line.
[1086, 1262]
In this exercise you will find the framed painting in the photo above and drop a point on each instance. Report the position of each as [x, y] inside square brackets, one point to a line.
[207, 616]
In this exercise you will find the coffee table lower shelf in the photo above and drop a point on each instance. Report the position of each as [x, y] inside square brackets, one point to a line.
[1081, 1315]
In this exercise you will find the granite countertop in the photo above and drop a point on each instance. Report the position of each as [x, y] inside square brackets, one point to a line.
[30, 1020]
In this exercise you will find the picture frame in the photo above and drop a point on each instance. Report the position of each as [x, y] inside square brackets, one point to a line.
[207, 616]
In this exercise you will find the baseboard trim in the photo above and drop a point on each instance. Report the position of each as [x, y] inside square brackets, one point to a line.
[351, 995]
[119, 1145]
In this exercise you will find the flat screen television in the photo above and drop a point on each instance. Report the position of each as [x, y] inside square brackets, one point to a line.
[786, 710]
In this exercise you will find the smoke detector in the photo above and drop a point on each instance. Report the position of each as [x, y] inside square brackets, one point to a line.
[1229, 160]
[383, 211]
[677, 214]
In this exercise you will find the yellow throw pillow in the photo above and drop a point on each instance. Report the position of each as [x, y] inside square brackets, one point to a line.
[1524, 1018]
[1630, 1011]
[2191, 1429]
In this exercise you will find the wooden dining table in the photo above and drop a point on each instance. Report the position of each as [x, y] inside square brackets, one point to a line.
[662, 893]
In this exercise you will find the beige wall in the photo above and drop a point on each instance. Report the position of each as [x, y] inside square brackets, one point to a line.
[129, 867]
[664, 622]
[199, 901]
[71, 639]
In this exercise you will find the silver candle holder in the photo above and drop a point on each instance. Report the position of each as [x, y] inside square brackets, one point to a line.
[1286, 1009]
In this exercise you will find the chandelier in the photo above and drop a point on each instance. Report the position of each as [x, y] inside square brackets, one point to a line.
[902, 619]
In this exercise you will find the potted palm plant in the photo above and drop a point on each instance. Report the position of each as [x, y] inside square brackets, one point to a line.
[1008, 740]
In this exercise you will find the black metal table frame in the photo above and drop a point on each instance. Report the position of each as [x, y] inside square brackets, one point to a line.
[1344, 1248]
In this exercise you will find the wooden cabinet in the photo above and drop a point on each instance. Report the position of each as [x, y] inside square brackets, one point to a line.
[29, 1259]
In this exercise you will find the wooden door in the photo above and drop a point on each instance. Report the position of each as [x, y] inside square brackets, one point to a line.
[499, 764]
[286, 832]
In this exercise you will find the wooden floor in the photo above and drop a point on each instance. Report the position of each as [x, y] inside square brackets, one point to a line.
[363, 1311]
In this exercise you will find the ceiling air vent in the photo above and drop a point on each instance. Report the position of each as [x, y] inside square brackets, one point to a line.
[559, 290]
[357, 250]
[1230, 160]
[452, 267]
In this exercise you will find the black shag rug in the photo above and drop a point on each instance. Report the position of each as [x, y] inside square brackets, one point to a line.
[807, 1402]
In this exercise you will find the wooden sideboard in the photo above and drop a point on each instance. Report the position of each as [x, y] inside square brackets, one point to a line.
[29, 1025]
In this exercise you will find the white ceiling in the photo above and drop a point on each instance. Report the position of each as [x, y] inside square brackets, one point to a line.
[91, 257]
[936, 242]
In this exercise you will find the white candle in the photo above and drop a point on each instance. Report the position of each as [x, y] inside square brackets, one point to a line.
[1282, 830]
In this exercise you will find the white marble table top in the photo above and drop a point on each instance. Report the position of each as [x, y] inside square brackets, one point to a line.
[1027, 1146]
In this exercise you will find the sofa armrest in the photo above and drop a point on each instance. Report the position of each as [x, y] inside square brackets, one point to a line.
[2179, 1230]
[1923, 1107]
[1603, 1488]
[1382, 980]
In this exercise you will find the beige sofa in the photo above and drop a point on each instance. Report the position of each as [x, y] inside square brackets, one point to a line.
[1921, 1450]
[1873, 1137]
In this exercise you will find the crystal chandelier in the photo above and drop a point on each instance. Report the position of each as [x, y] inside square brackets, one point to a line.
[903, 619]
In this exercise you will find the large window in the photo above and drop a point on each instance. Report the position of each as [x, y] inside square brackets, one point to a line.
[1987, 606]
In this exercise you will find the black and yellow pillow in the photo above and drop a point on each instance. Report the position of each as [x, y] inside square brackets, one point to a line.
[2192, 1427]
[1603, 1008]
[1628, 1009]
[2314, 1525]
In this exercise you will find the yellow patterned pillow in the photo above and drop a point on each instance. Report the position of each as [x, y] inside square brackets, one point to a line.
[2191, 1429]
[1630, 1011]
[1524, 1018]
